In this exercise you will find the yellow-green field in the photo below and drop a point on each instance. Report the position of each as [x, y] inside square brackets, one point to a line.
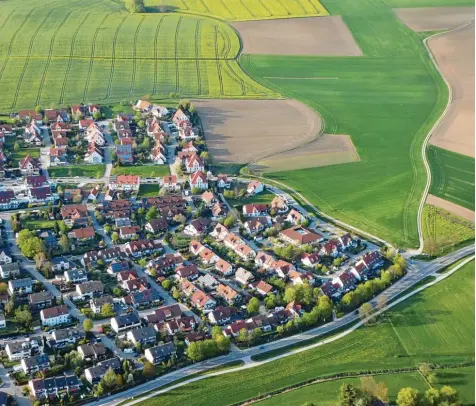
[242, 10]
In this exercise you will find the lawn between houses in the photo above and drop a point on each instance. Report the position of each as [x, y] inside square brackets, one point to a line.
[17, 156]
[436, 325]
[386, 100]
[146, 190]
[145, 171]
[88, 171]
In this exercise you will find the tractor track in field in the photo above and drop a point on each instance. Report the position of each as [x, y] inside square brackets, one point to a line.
[226, 50]
[266, 8]
[233, 16]
[177, 73]
[91, 60]
[71, 53]
[313, 6]
[156, 54]
[111, 73]
[197, 52]
[134, 62]
[50, 52]
[220, 78]
[247, 9]
[25, 66]
[12, 40]
[6, 21]
[205, 6]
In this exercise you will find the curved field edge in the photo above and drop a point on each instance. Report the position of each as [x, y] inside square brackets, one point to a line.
[399, 223]
[416, 330]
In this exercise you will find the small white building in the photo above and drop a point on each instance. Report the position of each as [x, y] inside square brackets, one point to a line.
[55, 316]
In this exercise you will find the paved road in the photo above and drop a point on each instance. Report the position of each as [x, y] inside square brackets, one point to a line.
[416, 272]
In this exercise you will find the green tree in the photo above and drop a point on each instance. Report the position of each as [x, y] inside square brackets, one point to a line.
[229, 221]
[3, 287]
[24, 317]
[135, 6]
[408, 397]
[253, 305]
[109, 379]
[432, 397]
[365, 310]
[141, 124]
[243, 336]
[16, 147]
[348, 395]
[88, 325]
[97, 115]
[149, 370]
[152, 213]
[107, 310]
[448, 394]
[64, 243]
[115, 237]
[38, 109]
[167, 284]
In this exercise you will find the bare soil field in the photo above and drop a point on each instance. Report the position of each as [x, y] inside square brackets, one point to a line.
[454, 53]
[434, 18]
[329, 149]
[328, 36]
[241, 131]
[451, 207]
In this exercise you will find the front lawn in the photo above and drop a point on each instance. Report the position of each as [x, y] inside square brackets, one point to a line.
[264, 197]
[15, 157]
[88, 171]
[148, 190]
[146, 171]
[38, 224]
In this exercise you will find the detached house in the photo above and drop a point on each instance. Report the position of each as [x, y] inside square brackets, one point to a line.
[198, 180]
[294, 217]
[32, 365]
[140, 248]
[143, 336]
[169, 182]
[29, 165]
[194, 164]
[125, 322]
[299, 235]
[197, 227]
[230, 295]
[89, 289]
[55, 316]
[157, 225]
[222, 315]
[125, 182]
[94, 155]
[202, 301]
[255, 210]
[20, 286]
[254, 187]
[161, 353]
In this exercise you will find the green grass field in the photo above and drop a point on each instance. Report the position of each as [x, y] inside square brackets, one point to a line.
[327, 393]
[452, 176]
[144, 171]
[429, 3]
[148, 190]
[38, 224]
[263, 197]
[62, 52]
[386, 101]
[16, 157]
[241, 10]
[462, 379]
[436, 325]
[443, 230]
[89, 171]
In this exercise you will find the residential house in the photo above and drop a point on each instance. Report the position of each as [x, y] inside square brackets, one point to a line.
[125, 182]
[346, 241]
[32, 365]
[346, 280]
[294, 217]
[254, 187]
[209, 198]
[94, 155]
[220, 232]
[219, 211]
[262, 287]
[189, 272]
[331, 248]
[331, 289]
[35, 181]
[197, 227]
[41, 300]
[257, 224]
[125, 322]
[91, 352]
[222, 315]
[255, 210]
[55, 316]
[41, 195]
[90, 258]
[3, 321]
[170, 183]
[299, 235]
[94, 193]
[75, 214]
[96, 303]
[310, 259]
[198, 180]
[202, 301]
[161, 353]
[126, 233]
[76, 276]
[87, 290]
[20, 286]
[157, 226]
[143, 336]
[61, 338]
[124, 154]
[207, 282]
[230, 295]
[159, 154]
[57, 386]
[279, 204]
[243, 276]
[223, 181]
[164, 264]
[58, 156]
[223, 267]
[29, 165]
[136, 284]
[194, 164]
[165, 313]
[85, 234]
[298, 278]
[8, 271]
[94, 374]
[147, 297]
[8, 200]
[61, 264]
[5, 257]
[140, 248]
[118, 266]
[16, 350]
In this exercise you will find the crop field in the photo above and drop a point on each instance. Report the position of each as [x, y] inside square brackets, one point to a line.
[242, 10]
[385, 100]
[144, 171]
[452, 176]
[461, 379]
[327, 393]
[429, 3]
[90, 171]
[63, 52]
[443, 230]
[439, 321]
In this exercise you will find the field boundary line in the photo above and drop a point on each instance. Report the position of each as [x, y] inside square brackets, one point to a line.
[156, 70]
[197, 53]
[177, 73]
[430, 133]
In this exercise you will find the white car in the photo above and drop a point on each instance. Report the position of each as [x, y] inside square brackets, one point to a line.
[128, 350]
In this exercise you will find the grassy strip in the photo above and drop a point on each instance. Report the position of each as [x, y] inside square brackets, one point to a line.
[88, 171]
[144, 171]
[146, 190]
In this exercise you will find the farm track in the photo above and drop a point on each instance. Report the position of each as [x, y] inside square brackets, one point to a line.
[111, 74]
[177, 73]
[91, 61]
[50, 51]
[25, 66]
[218, 61]
[71, 53]
[12, 40]
[197, 53]
[156, 72]
[134, 62]
[226, 50]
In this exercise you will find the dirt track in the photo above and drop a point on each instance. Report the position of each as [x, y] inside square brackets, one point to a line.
[327, 36]
[241, 131]
[434, 18]
[327, 150]
[451, 207]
